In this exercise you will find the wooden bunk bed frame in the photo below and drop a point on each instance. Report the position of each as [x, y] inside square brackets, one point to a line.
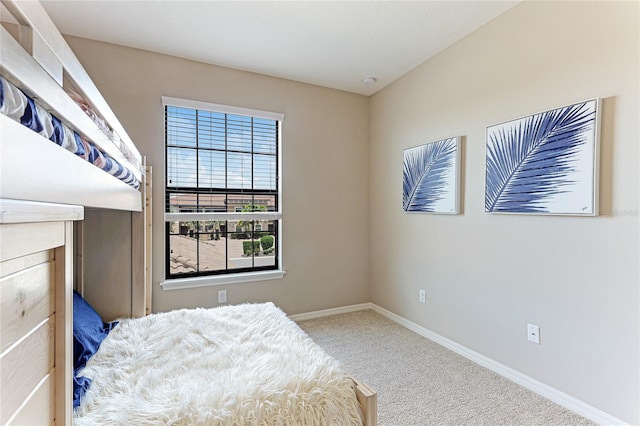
[46, 202]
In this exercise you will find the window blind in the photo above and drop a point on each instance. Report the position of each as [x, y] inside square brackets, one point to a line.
[222, 208]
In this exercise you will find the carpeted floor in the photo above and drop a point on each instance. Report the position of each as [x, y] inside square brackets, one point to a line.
[422, 383]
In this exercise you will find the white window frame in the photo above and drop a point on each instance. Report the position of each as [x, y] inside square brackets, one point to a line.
[232, 278]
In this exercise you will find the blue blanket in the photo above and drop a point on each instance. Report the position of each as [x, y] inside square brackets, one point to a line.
[88, 332]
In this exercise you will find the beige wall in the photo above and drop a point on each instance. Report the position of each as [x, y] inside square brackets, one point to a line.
[487, 275]
[325, 170]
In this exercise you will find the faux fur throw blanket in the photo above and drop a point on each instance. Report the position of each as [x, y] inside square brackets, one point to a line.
[233, 365]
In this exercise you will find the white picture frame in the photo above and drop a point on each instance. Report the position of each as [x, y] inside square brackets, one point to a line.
[431, 177]
[545, 163]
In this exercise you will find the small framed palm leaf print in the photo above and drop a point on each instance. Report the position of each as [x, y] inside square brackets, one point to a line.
[545, 163]
[431, 177]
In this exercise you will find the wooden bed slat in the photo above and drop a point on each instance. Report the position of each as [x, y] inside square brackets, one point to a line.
[26, 299]
[15, 265]
[38, 409]
[20, 239]
[24, 365]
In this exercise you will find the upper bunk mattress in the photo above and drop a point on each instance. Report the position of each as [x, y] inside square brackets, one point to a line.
[23, 109]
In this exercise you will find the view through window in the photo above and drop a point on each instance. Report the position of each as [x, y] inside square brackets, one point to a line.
[222, 193]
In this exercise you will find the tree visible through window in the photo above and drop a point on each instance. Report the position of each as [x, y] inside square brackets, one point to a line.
[222, 191]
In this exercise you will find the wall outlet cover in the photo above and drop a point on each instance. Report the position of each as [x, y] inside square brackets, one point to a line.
[533, 333]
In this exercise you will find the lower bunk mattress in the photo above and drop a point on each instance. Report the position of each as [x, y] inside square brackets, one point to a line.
[233, 365]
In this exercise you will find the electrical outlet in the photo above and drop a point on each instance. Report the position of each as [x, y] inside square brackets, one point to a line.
[533, 333]
[222, 296]
[422, 296]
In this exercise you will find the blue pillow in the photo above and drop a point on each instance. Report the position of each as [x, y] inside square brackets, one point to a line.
[88, 332]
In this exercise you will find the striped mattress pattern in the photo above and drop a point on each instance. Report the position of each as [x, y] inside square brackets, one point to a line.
[16, 105]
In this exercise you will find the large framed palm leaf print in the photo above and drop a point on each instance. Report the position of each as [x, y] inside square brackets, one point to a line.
[431, 177]
[546, 163]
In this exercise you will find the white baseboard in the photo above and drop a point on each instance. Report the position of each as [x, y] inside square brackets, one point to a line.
[332, 311]
[581, 408]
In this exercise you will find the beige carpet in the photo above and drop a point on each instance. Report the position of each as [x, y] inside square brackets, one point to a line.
[422, 383]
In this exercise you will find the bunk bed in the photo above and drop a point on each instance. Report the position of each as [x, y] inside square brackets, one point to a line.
[66, 165]
[64, 157]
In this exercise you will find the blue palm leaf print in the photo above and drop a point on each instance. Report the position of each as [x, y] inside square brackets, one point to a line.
[425, 175]
[530, 161]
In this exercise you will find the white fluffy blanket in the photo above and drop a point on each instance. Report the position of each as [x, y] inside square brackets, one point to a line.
[234, 365]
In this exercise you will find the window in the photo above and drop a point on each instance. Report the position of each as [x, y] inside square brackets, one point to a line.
[222, 192]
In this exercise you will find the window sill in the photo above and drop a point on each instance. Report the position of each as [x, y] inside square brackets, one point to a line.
[182, 283]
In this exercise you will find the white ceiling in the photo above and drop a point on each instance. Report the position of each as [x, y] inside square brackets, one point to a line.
[328, 43]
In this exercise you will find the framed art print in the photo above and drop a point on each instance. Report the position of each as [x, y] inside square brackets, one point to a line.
[545, 163]
[431, 177]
